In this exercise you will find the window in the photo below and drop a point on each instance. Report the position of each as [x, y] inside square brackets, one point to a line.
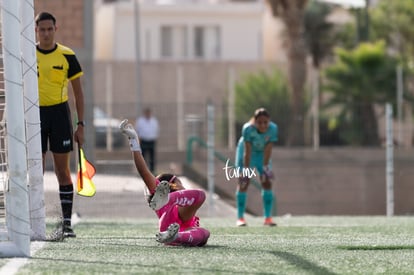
[204, 42]
[173, 42]
[207, 42]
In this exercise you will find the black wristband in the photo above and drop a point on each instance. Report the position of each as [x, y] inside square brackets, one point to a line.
[81, 123]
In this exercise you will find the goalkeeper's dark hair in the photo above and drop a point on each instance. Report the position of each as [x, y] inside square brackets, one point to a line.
[170, 178]
[258, 113]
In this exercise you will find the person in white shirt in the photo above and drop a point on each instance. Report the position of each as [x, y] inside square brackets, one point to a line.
[148, 129]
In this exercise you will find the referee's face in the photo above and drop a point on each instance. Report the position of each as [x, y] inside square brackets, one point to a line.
[45, 31]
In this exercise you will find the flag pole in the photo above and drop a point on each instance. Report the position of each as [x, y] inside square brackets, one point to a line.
[80, 166]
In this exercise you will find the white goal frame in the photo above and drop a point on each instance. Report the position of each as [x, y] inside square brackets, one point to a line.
[22, 157]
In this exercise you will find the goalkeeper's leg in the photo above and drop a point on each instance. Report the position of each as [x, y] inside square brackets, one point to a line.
[189, 201]
[195, 236]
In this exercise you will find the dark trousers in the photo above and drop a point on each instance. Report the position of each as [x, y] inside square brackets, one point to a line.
[148, 152]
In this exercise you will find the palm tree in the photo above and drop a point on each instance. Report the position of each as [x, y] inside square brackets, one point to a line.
[319, 33]
[292, 14]
[319, 37]
[360, 79]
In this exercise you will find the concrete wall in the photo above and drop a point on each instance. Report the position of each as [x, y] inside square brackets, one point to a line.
[239, 25]
[347, 181]
[69, 20]
[331, 181]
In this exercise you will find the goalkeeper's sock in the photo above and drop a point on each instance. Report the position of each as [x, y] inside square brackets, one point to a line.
[66, 201]
[267, 197]
[187, 197]
[241, 198]
[195, 236]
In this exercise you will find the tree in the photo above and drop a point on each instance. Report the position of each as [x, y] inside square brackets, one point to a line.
[358, 80]
[393, 21]
[292, 14]
[319, 37]
[319, 33]
[268, 90]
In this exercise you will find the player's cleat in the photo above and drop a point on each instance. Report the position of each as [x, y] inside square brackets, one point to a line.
[269, 222]
[169, 235]
[128, 130]
[68, 232]
[241, 222]
[160, 197]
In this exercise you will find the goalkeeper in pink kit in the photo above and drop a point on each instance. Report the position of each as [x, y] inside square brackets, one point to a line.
[174, 205]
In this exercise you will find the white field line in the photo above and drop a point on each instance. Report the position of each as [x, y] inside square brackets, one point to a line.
[14, 264]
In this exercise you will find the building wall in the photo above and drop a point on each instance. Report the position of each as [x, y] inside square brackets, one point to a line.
[273, 38]
[330, 181]
[69, 19]
[240, 27]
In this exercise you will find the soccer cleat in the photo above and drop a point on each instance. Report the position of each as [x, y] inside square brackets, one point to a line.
[269, 222]
[160, 197]
[169, 235]
[241, 222]
[68, 232]
[128, 130]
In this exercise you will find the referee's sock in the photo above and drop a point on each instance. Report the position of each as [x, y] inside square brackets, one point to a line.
[66, 201]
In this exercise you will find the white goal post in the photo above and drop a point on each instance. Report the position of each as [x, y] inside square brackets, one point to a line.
[20, 146]
[32, 118]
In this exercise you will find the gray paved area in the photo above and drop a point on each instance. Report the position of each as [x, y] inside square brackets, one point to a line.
[122, 197]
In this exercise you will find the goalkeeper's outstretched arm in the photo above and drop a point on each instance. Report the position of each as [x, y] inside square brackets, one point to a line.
[128, 130]
[144, 171]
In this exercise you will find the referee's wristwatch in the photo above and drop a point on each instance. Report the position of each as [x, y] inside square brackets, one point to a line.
[81, 123]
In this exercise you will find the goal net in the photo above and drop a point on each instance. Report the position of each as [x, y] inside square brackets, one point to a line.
[22, 214]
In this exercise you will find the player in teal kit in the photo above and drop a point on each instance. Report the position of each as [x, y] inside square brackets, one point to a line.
[254, 150]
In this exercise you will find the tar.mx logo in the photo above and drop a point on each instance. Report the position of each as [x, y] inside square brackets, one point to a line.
[237, 172]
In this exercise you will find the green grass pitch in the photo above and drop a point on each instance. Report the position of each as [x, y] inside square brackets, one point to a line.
[298, 245]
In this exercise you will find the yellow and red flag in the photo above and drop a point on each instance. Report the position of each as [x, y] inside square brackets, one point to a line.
[86, 171]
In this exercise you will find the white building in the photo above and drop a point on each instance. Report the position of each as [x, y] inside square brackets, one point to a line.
[183, 30]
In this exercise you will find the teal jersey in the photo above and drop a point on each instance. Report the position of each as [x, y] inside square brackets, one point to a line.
[258, 142]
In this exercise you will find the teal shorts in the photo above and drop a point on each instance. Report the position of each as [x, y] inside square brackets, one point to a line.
[256, 159]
